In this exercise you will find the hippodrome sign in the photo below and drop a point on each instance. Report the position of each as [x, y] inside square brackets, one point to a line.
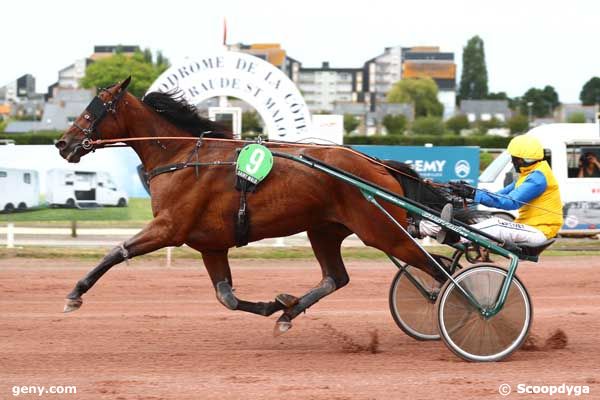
[246, 77]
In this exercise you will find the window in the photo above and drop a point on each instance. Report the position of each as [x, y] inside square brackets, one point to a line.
[583, 161]
[3, 174]
[27, 178]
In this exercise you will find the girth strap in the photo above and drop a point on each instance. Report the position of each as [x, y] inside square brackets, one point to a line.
[242, 221]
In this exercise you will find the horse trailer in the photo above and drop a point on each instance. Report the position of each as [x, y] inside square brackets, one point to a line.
[19, 189]
[82, 189]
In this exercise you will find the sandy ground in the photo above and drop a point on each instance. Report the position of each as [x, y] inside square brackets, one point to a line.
[146, 332]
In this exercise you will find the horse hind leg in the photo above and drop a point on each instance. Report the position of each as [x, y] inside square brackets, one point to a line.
[217, 265]
[225, 295]
[326, 244]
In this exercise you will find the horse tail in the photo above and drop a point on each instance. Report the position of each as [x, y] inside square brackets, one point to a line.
[415, 188]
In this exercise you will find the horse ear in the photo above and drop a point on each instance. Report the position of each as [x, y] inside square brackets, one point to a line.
[125, 83]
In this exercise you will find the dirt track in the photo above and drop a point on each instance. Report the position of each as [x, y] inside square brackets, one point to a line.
[146, 332]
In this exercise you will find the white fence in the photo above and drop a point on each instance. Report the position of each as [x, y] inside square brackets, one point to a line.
[11, 236]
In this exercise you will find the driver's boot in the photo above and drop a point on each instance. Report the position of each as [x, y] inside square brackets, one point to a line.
[445, 236]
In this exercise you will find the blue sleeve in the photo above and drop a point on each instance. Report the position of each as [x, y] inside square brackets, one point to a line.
[512, 199]
[507, 189]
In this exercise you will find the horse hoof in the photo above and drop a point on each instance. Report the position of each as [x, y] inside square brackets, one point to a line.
[287, 300]
[72, 305]
[281, 327]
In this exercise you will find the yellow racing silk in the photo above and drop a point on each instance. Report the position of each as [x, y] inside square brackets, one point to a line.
[545, 211]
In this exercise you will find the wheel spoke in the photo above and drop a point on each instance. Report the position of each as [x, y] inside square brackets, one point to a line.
[469, 334]
[413, 312]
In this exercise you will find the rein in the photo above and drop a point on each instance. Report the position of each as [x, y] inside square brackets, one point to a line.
[188, 164]
[113, 143]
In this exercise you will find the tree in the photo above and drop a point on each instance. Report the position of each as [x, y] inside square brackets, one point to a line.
[395, 124]
[110, 70]
[518, 124]
[590, 93]
[251, 122]
[497, 96]
[576, 118]
[457, 123]
[544, 101]
[421, 92]
[162, 61]
[148, 55]
[473, 79]
[513, 103]
[350, 123]
[428, 126]
[550, 96]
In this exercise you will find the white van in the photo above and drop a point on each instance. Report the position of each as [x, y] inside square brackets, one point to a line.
[19, 189]
[568, 148]
[82, 189]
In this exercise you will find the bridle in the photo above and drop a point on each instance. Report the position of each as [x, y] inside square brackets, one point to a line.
[94, 113]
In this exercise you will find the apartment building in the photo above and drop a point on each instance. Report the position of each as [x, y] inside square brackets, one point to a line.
[429, 61]
[325, 86]
[19, 89]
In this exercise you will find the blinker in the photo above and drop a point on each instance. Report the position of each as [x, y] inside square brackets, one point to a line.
[97, 109]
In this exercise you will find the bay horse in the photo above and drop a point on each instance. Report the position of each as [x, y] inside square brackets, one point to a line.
[198, 206]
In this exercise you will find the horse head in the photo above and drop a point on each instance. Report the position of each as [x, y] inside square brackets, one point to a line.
[92, 124]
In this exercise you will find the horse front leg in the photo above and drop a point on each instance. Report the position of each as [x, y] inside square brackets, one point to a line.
[154, 236]
[217, 265]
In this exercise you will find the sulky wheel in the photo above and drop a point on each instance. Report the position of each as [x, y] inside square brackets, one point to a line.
[466, 332]
[413, 309]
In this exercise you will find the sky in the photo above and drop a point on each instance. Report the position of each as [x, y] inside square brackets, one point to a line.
[528, 43]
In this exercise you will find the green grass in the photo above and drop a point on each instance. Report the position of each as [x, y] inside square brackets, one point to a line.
[263, 253]
[277, 253]
[138, 210]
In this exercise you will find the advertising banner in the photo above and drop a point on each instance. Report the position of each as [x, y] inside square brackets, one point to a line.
[440, 164]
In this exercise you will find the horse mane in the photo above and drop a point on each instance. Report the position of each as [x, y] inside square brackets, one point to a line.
[173, 107]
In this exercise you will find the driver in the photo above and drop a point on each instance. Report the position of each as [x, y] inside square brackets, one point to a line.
[535, 194]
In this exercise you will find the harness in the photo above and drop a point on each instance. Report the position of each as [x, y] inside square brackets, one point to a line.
[187, 164]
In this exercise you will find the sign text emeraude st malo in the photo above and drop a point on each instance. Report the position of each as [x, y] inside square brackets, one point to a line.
[249, 78]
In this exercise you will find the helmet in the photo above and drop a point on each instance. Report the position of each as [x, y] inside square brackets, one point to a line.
[526, 147]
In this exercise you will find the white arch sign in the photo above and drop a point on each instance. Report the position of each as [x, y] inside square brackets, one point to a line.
[260, 84]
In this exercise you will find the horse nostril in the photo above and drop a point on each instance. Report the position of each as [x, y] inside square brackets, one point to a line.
[61, 144]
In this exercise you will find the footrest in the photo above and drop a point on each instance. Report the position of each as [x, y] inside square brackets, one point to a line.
[534, 250]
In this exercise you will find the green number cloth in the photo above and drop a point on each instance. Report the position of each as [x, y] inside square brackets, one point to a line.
[254, 163]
